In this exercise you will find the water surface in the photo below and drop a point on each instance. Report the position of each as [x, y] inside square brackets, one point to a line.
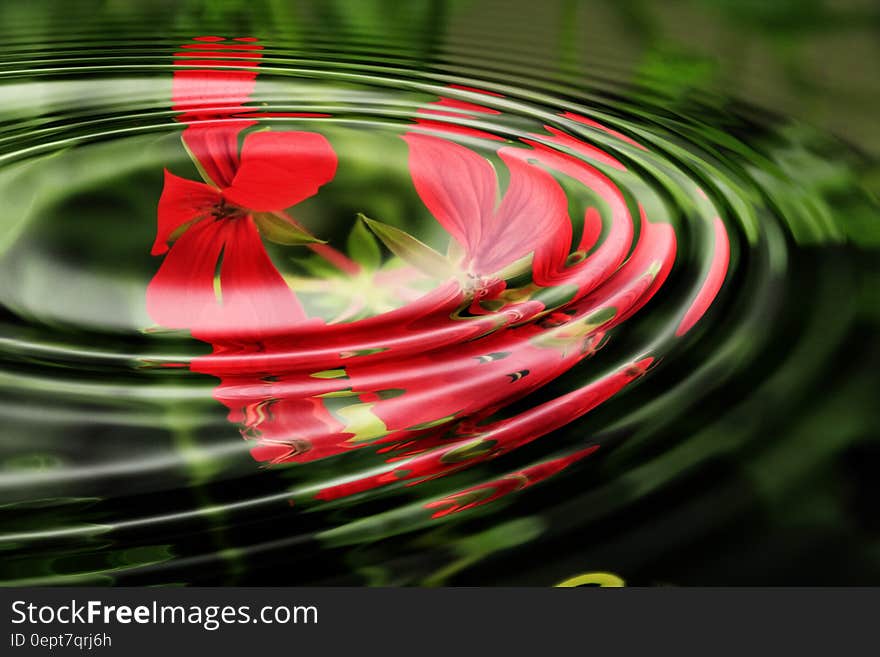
[338, 294]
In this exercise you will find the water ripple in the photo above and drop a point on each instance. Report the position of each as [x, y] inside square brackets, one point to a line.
[404, 295]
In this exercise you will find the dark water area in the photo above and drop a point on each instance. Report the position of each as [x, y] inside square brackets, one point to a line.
[439, 293]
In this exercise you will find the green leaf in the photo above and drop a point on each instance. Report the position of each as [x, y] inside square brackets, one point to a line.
[198, 165]
[470, 450]
[329, 374]
[283, 230]
[362, 246]
[318, 267]
[516, 268]
[409, 249]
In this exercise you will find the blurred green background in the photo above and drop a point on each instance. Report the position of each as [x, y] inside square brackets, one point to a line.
[809, 59]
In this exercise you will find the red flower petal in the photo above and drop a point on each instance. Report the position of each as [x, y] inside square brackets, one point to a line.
[215, 147]
[210, 93]
[182, 201]
[255, 298]
[205, 92]
[549, 267]
[181, 294]
[712, 283]
[485, 493]
[592, 229]
[462, 105]
[532, 214]
[456, 184]
[280, 169]
[251, 301]
[582, 148]
[595, 124]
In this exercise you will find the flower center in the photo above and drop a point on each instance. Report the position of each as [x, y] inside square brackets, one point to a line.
[224, 210]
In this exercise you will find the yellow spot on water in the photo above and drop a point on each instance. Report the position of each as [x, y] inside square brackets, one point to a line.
[593, 579]
[362, 422]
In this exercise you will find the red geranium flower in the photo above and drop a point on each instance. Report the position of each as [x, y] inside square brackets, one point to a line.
[422, 382]
[460, 188]
[217, 279]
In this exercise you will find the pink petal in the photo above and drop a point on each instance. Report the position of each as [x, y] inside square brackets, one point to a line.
[548, 268]
[533, 215]
[456, 184]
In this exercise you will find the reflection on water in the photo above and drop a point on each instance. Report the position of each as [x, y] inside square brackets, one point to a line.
[470, 331]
